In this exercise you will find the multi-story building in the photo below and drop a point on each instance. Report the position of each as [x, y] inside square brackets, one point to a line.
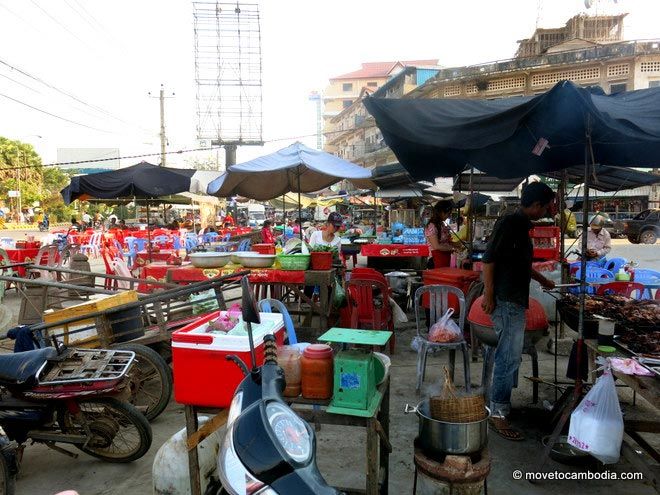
[588, 51]
[343, 90]
[351, 133]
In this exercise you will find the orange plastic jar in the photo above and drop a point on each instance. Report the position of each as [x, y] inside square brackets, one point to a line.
[317, 372]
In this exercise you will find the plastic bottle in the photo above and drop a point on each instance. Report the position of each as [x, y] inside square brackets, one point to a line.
[622, 275]
[289, 360]
[317, 372]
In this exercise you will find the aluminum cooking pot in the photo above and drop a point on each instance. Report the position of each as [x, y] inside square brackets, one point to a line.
[440, 438]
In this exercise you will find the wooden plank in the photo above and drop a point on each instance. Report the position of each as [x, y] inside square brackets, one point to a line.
[193, 459]
[642, 425]
[207, 429]
[644, 444]
[651, 473]
[373, 463]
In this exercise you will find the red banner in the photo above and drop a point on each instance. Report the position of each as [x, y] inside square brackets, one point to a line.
[395, 250]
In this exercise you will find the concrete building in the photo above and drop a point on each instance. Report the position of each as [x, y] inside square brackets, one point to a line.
[344, 89]
[587, 50]
[352, 134]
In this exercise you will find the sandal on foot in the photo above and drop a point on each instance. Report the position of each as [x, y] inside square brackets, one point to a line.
[502, 428]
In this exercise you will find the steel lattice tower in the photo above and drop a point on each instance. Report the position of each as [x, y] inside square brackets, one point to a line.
[228, 72]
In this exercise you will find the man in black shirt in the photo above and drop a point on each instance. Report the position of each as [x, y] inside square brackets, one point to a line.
[507, 274]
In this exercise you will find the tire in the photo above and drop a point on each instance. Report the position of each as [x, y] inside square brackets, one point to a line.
[150, 381]
[648, 237]
[104, 417]
[633, 240]
[7, 479]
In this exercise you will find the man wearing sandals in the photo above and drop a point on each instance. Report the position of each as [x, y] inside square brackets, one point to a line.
[507, 273]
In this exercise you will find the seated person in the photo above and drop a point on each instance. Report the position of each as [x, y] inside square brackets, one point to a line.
[599, 242]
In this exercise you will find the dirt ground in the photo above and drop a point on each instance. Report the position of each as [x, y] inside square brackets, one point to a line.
[341, 450]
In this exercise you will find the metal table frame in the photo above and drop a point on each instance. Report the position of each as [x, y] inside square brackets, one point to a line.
[378, 447]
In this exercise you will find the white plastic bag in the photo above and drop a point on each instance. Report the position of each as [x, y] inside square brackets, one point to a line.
[597, 423]
[446, 330]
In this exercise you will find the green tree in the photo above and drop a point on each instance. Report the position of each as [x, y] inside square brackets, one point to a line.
[23, 170]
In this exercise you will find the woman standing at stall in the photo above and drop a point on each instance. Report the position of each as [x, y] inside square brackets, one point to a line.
[438, 234]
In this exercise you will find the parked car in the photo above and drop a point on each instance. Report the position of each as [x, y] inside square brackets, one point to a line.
[644, 227]
[607, 225]
[619, 220]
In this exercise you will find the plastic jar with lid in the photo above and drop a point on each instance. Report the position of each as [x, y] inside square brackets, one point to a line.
[317, 372]
[288, 359]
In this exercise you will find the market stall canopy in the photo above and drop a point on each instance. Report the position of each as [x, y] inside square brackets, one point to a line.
[143, 180]
[608, 179]
[485, 182]
[290, 201]
[521, 136]
[295, 168]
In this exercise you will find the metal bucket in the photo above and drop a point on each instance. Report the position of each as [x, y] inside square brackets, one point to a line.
[441, 438]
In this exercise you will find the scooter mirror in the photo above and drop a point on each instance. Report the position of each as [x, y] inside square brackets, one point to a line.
[248, 303]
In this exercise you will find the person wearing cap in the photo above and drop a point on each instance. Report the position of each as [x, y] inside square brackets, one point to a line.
[329, 236]
[599, 241]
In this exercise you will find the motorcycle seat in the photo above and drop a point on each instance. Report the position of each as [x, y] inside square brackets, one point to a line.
[21, 367]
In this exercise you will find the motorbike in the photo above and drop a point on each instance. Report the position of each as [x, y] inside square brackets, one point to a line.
[72, 396]
[267, 449]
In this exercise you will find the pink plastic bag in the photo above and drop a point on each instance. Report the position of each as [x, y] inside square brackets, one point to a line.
[446, 330]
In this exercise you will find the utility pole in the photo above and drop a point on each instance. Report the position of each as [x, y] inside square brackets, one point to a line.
[163, 137]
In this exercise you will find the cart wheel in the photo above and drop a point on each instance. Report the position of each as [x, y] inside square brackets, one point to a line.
[151, 381]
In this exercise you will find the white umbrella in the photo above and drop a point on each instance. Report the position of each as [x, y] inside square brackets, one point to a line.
[295, 168]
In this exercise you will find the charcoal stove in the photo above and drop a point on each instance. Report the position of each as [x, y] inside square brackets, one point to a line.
[451, 474]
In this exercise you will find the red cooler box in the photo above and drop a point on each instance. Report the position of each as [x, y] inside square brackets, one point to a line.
[455, 277]
[202, 374]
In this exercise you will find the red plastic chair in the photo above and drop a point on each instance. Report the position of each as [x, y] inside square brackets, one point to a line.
[361, 293]
[622, 289]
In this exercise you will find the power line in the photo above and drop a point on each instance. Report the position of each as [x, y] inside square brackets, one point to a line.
[20, 83]
[59, 23]
[54, 115]
[69, 95]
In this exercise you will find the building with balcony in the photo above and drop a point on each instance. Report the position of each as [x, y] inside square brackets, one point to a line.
[597, 58]
[352, 135]
[343, 90]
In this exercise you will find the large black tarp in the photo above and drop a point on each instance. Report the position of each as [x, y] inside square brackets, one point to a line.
[143, 180]
[440, 137]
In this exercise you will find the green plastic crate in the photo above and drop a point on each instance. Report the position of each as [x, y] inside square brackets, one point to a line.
[294, 261]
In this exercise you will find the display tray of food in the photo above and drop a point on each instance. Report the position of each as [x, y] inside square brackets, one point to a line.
[638, 321]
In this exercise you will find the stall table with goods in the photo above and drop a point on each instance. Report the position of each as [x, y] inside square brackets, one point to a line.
[24, 252]
[350, 388]
[145, 257]
[290, 277]
[628, 331]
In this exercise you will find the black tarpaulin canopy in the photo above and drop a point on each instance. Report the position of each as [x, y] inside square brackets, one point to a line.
[440, 137]
[143, 181]
[608, 179]
[484, 182]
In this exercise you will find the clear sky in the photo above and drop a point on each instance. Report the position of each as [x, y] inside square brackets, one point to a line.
[112, 54]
